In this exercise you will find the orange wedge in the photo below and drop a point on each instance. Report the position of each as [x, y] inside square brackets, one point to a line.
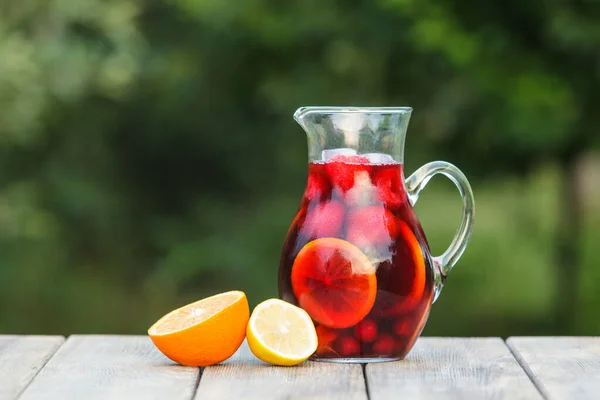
[203, 333]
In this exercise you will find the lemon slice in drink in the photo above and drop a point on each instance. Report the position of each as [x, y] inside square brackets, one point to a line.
[280, 333]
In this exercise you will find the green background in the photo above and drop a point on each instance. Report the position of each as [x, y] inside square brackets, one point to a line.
[148, 155]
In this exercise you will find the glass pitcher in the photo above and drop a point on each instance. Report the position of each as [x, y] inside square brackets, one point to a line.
[355, 257]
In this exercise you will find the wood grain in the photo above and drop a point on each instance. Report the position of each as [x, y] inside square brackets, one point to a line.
[21, 358]
[245, 377]
[561, 367]
[111, 367]
[452, 368]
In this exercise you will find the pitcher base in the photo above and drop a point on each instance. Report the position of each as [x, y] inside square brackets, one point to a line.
[357, 360]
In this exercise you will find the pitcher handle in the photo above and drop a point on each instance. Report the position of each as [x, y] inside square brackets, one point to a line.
[416, 182]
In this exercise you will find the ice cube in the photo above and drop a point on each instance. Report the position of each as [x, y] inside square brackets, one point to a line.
[379, 158]
[363, 192]
[330, 153]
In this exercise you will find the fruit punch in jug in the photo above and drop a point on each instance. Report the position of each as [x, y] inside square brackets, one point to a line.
[356, 259]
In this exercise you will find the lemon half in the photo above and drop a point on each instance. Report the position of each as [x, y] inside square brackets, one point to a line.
[280, 333]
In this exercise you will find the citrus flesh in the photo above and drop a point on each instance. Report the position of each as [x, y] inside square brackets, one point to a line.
[280, 333]
[334, 281]
[205, 332]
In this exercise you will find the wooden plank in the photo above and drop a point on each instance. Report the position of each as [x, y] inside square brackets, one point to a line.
[245, 377]
[111, 367]
[452, 368]
[21, 358]
[561, 367]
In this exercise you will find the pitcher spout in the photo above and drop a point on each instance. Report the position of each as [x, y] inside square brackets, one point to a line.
[364, 130]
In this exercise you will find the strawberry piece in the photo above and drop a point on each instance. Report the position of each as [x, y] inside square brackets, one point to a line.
[324, 220]
[366, 331]
[317, 187]
[390, 189]
[371, 226]
[348, 346]
[349, 159]
[342, 169]
[384, 345]
[403, 328]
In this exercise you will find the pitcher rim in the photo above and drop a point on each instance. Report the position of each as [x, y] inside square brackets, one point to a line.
[302, 111]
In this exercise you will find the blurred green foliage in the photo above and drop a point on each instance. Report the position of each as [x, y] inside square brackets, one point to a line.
[148, 156]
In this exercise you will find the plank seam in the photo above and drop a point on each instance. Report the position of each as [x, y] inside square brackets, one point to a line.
[20, 394]
[364, 371]
[197, 383]
[523, 364]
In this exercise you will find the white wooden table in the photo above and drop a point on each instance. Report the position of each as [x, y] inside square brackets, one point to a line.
[130, 367]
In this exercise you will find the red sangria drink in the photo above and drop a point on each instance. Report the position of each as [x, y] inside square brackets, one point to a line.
[357, 261]
[355, 257]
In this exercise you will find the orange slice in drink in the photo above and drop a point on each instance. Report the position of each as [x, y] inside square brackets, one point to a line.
[405, 277]
[203, 333]
[334, 281]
